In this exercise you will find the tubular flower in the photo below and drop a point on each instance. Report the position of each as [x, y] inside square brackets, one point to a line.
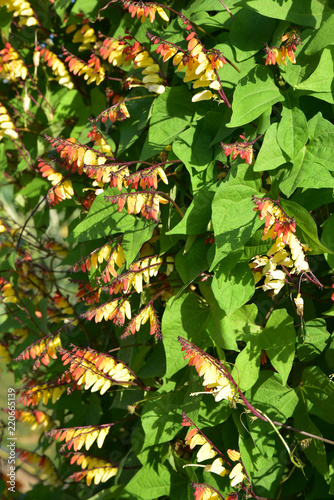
[44, 348]
[147, 313]
[144, 9]
[33, 394]
[20, 8]
[5, 356]
[113, 50]
[62, 190]
[12, 66]
[43, 467]
[146, 202]
[215, 380]
[34, 418]
[278, 55]
[205, 492]
[98, 469]
[84, 370]
[92, 70]
[117, 112]
[81, 436]
[278, 225]
[243, 149]
[57, 66]
[7, 126]
[85, 35]
[8, 293]
[237, 475]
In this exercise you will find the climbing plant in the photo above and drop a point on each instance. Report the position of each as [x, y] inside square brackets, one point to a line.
[167, 246]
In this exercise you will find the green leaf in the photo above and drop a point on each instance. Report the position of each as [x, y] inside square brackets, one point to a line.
[172, 113]
[278, 339]
[232, 218]
[321, 80]
[270, 155]
[247, 365]
[249, 33]
[161, 418]
[221, 335]
[133, 240]
[312, 340]
[197, 216]
[194, 146]
[5, 20]
[319, 391]
[131, 128]
[233, 289]
[306, 173]
[190, 264]
[323, 37]
[271, 397]
[327, 239]
[254, 94]
[321, 141]
[183, 317]
[292, 131]
[150, 483]
[316, 451]
[306, 225]
[311, 14]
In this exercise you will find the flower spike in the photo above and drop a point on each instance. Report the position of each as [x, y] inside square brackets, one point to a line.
[217, 379]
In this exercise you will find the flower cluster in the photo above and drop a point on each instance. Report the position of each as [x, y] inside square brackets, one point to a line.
[279, 55]
[96, 371]
[81, 436]
[201, 65]
[7, 292]
[62, 189]
[12, 66]
[243, 149]
[56, 65]
[42, 466]
[21, 8]
[216, 378]
[92, 70]
[34, 418]
[97, 469]
[138, 272]
[111, 254]
[5, 356]
[152, 79]
[44, 349]
[205, 492]
[85, 35]
[282, 228]
[58, 302]
[147, 313]
[33, 394]
[117, 112]
[144, 9]
[207, 451]
[7, 126]
[146, 202]
[116, 310]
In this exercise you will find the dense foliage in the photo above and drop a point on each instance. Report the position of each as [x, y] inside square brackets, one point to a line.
[167, 245]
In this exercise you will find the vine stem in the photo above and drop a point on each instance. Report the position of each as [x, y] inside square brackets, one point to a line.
[226, 8]
[164, 195]
[259, 415]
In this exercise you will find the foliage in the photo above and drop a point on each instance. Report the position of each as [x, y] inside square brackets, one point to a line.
[167, 204]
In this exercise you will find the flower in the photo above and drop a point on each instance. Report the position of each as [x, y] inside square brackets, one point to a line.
[237, 475]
